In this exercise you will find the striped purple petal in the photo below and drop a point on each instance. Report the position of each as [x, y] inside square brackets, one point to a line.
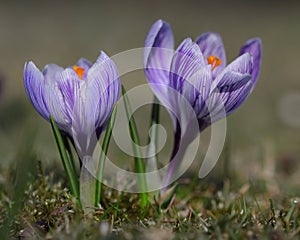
[84, 63]
[68, 84]
[158, 52]
[202, 83]
[230, 89]
[34, 86]
[243, 65]
[232, 82]
[102, 83]
[185, 73]
[50, 72]
[254, 47]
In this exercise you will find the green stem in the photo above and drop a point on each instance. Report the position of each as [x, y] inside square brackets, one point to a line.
[69, 169]
[139, 163]
[103, 154]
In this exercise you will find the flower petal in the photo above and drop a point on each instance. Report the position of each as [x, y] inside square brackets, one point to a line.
[243, 65]
[102, 89]
[211, 44]
[190, 77]
[228, 97]
[158, 52]
[34, 86]
[68, 83]
[50, 72]
[84, 63]
[60, 98]
[232, 81]
[237, 97]
[186, 63]
[202, 84]
[254, 47]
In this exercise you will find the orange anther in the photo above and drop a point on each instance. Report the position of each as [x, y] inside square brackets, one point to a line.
[79, 71]
[214, 61]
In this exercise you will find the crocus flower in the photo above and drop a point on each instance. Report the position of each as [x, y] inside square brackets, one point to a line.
[198, 72]
[80, 98]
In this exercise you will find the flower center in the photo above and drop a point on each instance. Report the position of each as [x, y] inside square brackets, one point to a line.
[214, 61]
[79, 71]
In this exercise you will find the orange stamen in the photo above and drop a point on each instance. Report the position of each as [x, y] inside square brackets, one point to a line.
[79, 71]
[214, 61]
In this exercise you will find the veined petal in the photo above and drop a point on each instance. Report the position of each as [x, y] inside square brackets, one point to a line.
[102, 88]
[186, 63]
[202, 83]
[50, 72]
[68, 83]
[34, 86]
[84, 63]
[226, 98]
[60, 99]
[47, 94]
[211, 44]
[158, 52]
[226, 103]
[188, 76]
[254, 47]
[232, 81]
[237, 97]
[242, 65]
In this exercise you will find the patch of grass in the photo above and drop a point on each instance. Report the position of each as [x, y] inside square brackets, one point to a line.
[197, 210]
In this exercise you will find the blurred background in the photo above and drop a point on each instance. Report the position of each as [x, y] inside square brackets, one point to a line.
[263, 135]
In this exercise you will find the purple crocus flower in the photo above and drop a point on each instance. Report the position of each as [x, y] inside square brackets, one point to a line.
[198, 72]
[80, 98]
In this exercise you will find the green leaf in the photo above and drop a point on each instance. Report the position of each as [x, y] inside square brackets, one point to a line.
[66, 161]
[103, 154]
[139, 163]
[69, 152]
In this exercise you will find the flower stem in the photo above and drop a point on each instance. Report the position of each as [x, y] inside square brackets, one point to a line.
[151, 164]
[139, 163]
[103, 154]
[175, 161]
[87, 185]
[66, 161]
[155, 119]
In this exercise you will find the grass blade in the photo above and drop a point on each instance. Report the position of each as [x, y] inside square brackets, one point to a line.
[69, 152]
[103, 154]
[68, 166]
[139, 163]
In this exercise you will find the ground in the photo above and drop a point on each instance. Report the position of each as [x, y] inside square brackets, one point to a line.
[211, 209]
